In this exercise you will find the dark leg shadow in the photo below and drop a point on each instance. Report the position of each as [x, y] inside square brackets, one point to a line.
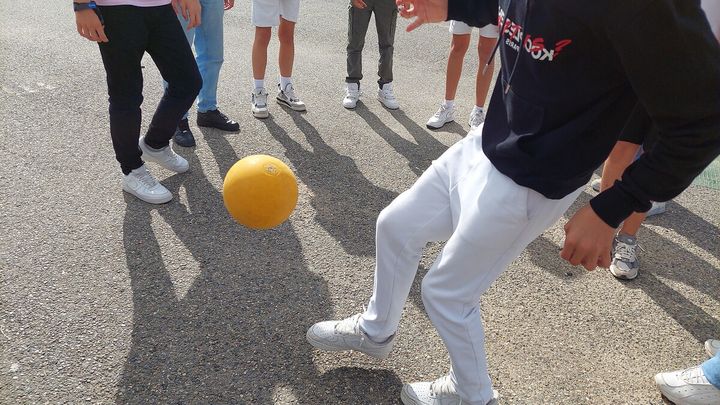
[238, 334]
[419, 155]
[347, 203]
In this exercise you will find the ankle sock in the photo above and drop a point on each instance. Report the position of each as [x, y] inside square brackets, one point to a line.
[259, 83]
[284, 81]
[449, 103]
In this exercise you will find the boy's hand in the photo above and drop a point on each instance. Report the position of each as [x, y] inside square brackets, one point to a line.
[588, 240]
[424, 11]
[229, 4]
[89, 26]
[190, 10]
[358, 4]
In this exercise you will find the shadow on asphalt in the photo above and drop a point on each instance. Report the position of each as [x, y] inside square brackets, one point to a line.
[347, 204]
[238, 334]
[419, 155]
[661, 259]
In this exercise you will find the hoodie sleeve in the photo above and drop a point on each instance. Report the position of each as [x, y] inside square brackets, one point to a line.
[672, 62]
[475, 13]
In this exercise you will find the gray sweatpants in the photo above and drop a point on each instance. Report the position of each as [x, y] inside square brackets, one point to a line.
[358, 21]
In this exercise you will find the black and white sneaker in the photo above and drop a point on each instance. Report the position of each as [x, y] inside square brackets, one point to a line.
[183, 136]
[288, 98]
[218, 120]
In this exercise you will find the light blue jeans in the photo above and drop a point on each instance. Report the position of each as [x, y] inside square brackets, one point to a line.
[711, 368]
[208, 42]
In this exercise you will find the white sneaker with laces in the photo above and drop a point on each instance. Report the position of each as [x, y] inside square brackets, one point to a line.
[687, 387]
[288, 98]
[438, 392]
[443, 115]
[595, 184]
[387, 97]
[165, 157]
[335, 336]
[712, 347]
[258, 103]
[352, 95]
[144, 186]
[624, 263]
[477, 117]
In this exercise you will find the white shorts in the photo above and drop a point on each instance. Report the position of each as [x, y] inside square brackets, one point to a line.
[460, 28]
[267, 13]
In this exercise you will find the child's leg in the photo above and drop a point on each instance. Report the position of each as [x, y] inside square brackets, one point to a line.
[171, 52]
[126, 29]
[259, 51]
[458, 48]
[209, 49]
[385, 23]
[497, 220]
[482, 81]
[286, 55]
[358, 21]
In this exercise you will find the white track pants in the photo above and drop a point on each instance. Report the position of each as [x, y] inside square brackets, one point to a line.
[487, 220]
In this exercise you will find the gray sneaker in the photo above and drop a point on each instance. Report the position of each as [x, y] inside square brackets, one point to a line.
[712, 346]
[438, 392]
[336, 336]
[258, 103]
[288, 97]
[624, 264]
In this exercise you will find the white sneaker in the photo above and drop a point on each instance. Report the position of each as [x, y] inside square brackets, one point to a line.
[477, 117]
[288, 97]
[442, 116]
[624, 263]
[143, 185]
[165, 157]
[712, 347]
[352, 95]
[258, 103]
[657, 208]
[595, 184]
[387, 97]
[335, 336]
[687, 387]
[438, 392]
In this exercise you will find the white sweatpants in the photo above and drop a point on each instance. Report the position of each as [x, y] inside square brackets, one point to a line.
[487, 220]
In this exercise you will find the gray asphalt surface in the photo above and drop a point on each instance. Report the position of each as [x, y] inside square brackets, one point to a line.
[104, 299]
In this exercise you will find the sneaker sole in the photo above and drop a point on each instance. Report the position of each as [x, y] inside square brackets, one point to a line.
[159, 201]
[624, 277]
[432, 127]
[288, 105]
[318, 344]
[260, 114]
[218, 128]
[406, 398]
[386, 106]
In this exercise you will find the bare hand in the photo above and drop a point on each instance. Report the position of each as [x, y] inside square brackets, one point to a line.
[588, 240]
[89, 26]
[229, 4]
[190, 10]
[424, 11]
[358, 4]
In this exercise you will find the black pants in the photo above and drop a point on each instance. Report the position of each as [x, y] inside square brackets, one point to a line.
[132, 31]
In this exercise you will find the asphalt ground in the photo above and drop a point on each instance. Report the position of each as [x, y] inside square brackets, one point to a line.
[105, 299]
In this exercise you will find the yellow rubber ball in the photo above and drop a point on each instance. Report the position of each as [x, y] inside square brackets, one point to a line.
[260, 191]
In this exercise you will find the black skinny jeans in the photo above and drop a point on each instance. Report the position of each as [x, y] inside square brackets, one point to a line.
[132, 31]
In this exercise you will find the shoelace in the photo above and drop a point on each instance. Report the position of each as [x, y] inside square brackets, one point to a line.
[146, 178]
[290, 93]
[442, 385]
[694, 375]
[625, 252]
[349, 326]
[260, 99]
[352, 93]
[441, 111]
[477, 119]
[387, 92]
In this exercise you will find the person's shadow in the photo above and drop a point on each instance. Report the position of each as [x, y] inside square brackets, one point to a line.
[661, 259]
[238, 333]
[347, 204]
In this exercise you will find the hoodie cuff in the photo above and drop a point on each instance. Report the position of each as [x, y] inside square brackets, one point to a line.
[613, 206]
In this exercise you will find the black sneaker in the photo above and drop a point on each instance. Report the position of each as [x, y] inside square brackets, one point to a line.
[216, 119]
[183, 136]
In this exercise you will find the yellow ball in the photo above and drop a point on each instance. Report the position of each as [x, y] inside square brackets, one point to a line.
[260, 191]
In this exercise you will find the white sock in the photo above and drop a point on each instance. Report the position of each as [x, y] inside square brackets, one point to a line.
[448, 103]
[259, 84]
[284, 81]
[476, 108]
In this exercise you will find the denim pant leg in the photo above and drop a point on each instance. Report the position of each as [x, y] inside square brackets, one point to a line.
[209, 51]
[711, 368]
[173, 57]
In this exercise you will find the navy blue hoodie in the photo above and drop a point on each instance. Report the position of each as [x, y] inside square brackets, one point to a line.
[575, 72]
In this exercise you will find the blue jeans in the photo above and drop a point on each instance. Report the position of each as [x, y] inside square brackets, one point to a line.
[711, 368]
[208, 41]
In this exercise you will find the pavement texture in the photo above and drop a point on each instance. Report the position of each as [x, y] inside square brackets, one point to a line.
[104, 299]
